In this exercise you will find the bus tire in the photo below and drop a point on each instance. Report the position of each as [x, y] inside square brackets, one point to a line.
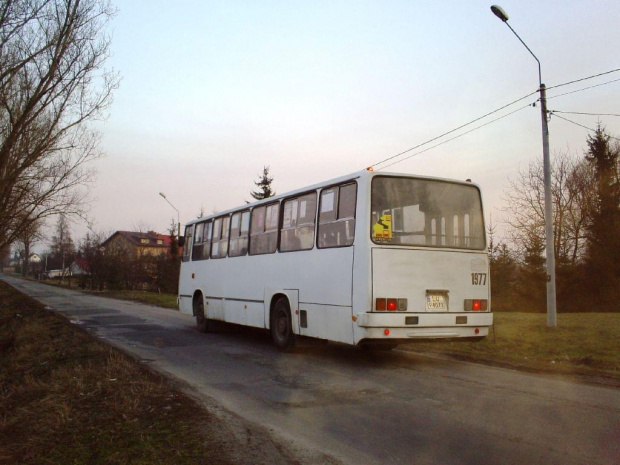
[202, 322]
[282, 325]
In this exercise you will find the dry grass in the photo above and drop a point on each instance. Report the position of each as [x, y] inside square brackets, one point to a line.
[150, 298]
[67, 398]
[159, 299]
[583, 344]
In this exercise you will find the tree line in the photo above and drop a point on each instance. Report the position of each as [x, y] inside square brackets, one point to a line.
[91, 265]
[586, 223]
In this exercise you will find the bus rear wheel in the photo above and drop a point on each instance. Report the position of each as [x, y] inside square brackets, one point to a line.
[282, 325]
[202, 322]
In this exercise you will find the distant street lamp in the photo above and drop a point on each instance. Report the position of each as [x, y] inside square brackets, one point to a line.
[551, 301]
[178, 214]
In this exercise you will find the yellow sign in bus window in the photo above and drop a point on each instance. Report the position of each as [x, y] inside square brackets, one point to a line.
[382, 229]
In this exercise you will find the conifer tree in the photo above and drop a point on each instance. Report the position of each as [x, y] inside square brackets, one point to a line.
[264, 185]
[603, 217]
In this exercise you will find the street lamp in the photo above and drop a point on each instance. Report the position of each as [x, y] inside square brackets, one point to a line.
[551, 307]
[178, 215]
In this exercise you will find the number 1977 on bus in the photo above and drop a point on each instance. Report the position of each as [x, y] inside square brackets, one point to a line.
[479, 279]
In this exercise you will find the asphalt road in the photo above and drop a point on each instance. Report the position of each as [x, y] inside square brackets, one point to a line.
[359, 407]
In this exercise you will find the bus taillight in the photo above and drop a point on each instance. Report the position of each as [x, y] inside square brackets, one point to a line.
[392, 304]
[476, 305]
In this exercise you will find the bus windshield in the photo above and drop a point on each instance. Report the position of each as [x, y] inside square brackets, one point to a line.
[429, 213]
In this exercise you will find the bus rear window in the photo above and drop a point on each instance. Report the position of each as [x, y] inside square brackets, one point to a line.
[421, 212]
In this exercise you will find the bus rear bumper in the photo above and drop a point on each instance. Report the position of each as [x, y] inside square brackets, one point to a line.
[424, 326]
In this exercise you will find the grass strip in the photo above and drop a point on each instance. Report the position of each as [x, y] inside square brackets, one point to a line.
[66, 398]
[582, 344]
[143, 297]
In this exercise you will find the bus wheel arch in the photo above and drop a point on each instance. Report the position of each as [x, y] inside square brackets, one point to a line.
[198, 307]
[281, 322]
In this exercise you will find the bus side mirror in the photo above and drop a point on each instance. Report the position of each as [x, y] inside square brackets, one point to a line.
[181, 241]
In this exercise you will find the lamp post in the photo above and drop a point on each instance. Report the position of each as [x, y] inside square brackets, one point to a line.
[551, 301]
[178, 215]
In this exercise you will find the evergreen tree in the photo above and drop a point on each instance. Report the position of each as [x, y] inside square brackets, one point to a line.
[603, 219]
[264, 185]
[503, 276]
[174, 243]
[531, 282]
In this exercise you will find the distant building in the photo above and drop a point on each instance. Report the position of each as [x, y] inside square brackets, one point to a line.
[138, 243]
[79, 267]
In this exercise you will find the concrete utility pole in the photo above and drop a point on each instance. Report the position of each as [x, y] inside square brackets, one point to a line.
[551, 300]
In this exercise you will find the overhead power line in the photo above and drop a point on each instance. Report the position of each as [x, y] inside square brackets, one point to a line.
[581, 125]
[497, 119]
[580, 113]
[452, 131]
[584, 79]
[585, 88]
[455, 137]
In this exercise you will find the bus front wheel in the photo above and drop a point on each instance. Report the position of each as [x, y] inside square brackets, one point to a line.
[202, 322]
[281, 325]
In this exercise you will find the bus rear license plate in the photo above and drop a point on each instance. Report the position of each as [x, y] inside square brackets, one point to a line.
[436, 302]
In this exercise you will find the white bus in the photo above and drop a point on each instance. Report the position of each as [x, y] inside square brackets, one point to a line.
[369, 259]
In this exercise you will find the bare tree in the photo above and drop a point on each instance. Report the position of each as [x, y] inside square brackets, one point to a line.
[29, 236]
[52, 84]
[62, 247]
[524, 213]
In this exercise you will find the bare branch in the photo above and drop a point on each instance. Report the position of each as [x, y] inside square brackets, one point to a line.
[52, 84]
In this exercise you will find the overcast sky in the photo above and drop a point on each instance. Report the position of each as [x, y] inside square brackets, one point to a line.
[213, 90]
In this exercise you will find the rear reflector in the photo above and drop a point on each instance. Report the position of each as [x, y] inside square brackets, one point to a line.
[381, 305]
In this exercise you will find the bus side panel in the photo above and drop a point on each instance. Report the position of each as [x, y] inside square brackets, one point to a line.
[215, 308]
[244, 313]
[187, 287]
[328, 322]
[325, 277]
[185, 305]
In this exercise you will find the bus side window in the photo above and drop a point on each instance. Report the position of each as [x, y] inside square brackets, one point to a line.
[298, 220]
[244, 235]
[187, 250]
[197, 247]
[239, 228]
[219, 246]
[201, 241]
[264, 229]
[337, 216]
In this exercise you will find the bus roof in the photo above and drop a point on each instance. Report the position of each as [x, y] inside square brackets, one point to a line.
[367, 173]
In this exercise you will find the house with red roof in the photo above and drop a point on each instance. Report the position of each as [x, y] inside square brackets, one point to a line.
[139, 243]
